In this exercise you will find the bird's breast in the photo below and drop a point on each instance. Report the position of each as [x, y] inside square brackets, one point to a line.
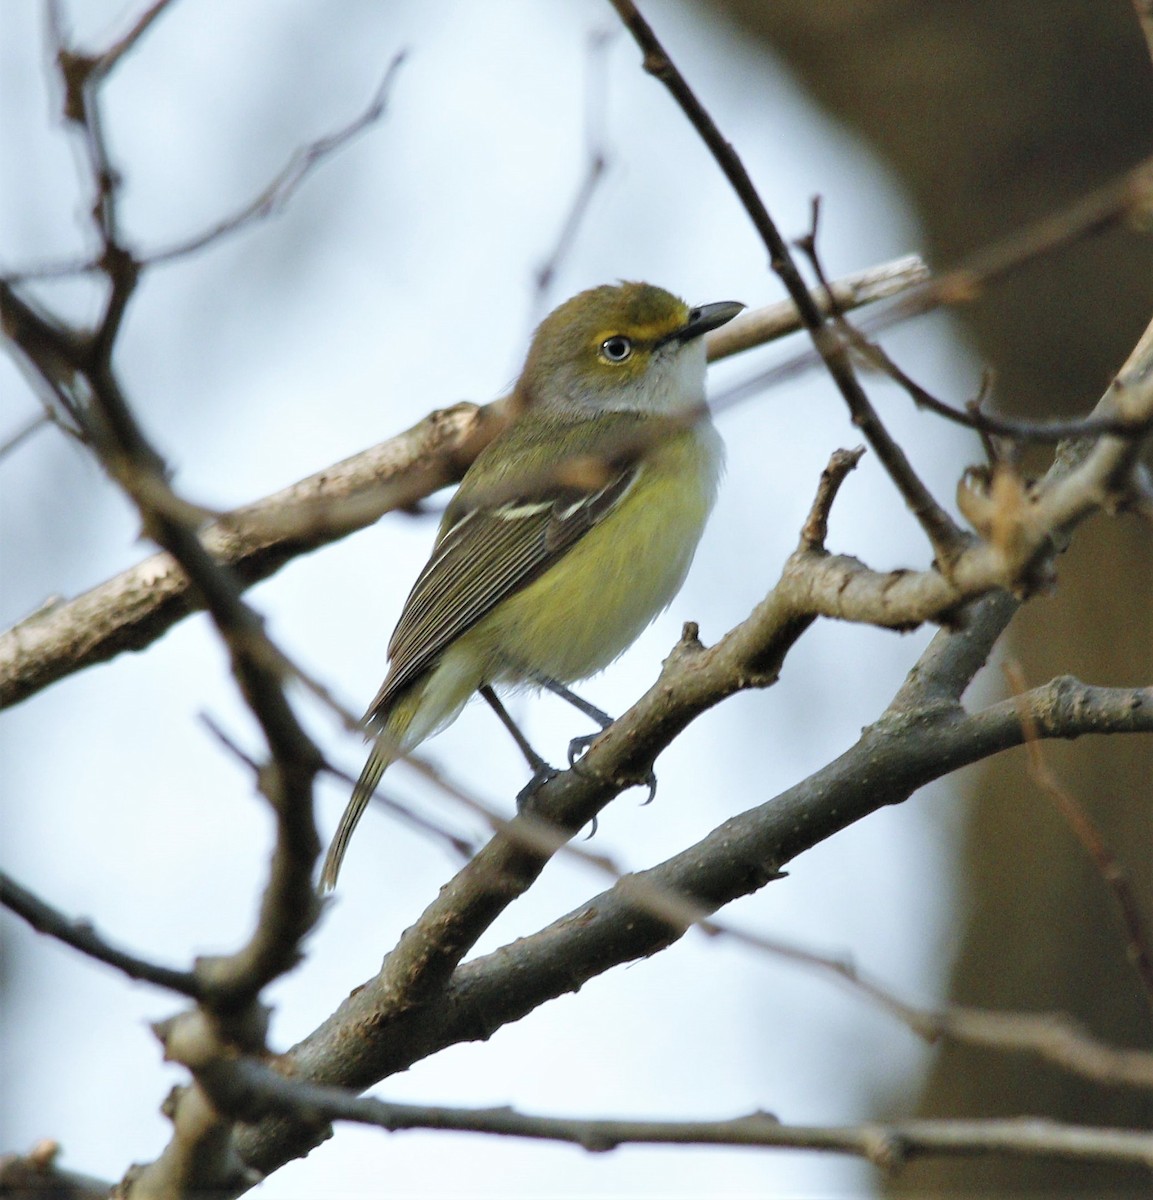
[583, 612]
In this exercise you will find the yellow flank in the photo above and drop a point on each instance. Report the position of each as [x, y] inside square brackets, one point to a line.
[589, 608]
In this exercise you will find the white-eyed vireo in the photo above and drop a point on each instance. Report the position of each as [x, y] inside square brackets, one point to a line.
[569, 533]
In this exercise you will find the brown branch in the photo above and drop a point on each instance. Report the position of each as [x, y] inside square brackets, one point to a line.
[289, 907]
[79, 363]
[82, 71]
[285, 184]
[15, 440]
[433, 946]
[134, 608]
[973, 416]
[82, 935]
[255, 1090]
[1053, 1038]
[596, 165]
[1129, 198]
[370, 1037]
[759, 326]
[417, 996]
[1063, 708]
[35, 1174]
[111, 57]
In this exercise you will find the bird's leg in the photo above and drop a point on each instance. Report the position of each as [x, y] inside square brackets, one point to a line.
[542, 771]
[578, 745]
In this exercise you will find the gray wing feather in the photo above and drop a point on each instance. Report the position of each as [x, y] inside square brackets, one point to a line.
[478, 561]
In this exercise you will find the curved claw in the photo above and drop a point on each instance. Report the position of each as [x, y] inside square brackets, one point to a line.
[650, 781]
[579, 745]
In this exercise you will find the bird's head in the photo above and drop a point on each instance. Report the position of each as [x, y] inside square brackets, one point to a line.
[620, 347]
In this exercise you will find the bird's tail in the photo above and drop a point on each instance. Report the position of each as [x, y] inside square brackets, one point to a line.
[383, 753]
[417, 713]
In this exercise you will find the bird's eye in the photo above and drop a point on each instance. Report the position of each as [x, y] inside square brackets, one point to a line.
[616, 349]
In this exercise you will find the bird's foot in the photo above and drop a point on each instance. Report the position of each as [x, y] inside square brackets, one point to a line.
[578, 746]
[542, 773]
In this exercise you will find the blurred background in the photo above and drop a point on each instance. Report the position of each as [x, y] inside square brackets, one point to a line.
[402, 279]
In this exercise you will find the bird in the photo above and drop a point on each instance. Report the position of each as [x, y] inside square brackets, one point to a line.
[569, 533]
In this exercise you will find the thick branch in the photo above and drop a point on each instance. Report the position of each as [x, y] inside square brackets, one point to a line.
[888, 1146]
[133, 609]
[886, 767]
[369, 1038]
[136, 607]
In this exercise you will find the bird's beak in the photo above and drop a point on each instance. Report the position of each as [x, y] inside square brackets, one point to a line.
[708, 316]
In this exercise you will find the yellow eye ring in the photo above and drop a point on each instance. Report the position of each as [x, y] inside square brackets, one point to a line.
[616, 349]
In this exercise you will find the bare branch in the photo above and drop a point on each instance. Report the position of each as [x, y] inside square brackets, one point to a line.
[635, 918]
[133, 609]
[1064, 708]
[136, 607]
[281, 189]
[14, 440]
[251, 1087]
[110, 58]
[82, 935]
[36, 1175]
[945, 538]
[762, 325]
[424, 998]
[597, 164]
[79, 363]
[1129, 198]
[272, 199]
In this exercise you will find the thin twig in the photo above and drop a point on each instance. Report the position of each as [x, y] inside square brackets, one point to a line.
[756, 327]
[973, 416]
[1129, 197]
[81, 935]
[945, 537]
[31, 426]
[816, 527]
[271, 200]
[110, 58]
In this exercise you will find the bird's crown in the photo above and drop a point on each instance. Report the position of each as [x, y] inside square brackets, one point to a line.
[610, 332]
[623, 347]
